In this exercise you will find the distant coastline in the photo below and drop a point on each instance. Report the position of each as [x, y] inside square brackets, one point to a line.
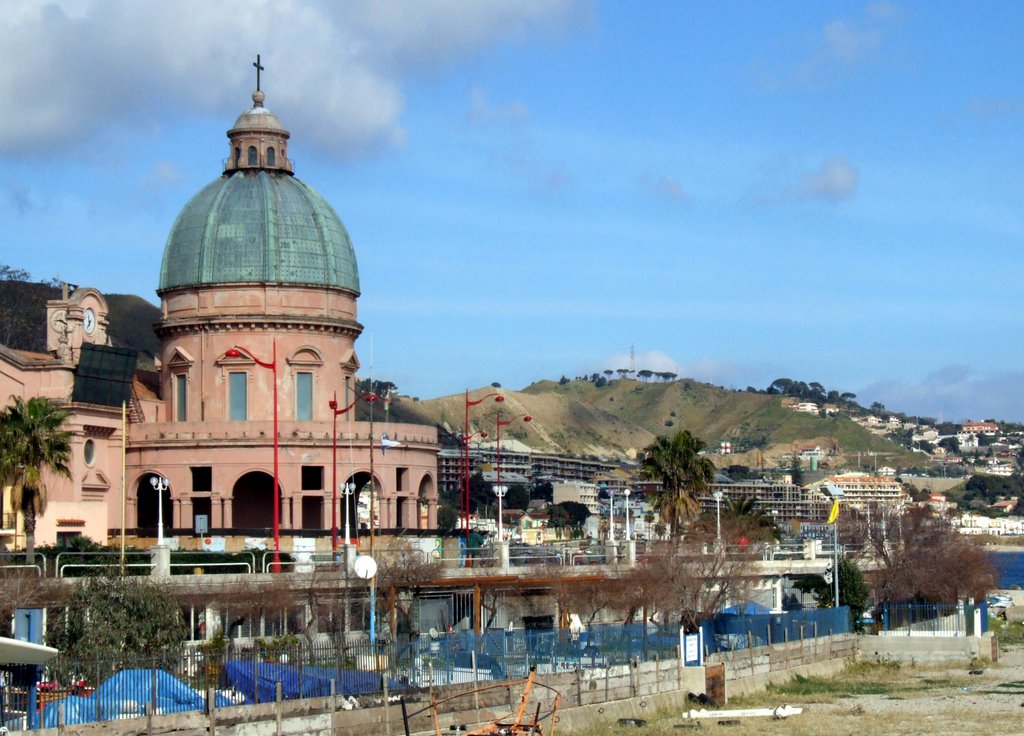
[1004, 547]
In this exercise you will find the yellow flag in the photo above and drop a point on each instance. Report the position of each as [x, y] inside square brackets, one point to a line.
[834, 514]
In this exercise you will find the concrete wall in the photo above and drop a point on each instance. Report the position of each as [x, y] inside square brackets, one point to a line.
[751, 670]
[922, 649]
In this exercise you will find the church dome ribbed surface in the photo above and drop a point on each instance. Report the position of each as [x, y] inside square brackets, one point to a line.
[258, 226]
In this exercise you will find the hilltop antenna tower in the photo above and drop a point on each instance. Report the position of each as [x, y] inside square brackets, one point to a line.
[632, 359]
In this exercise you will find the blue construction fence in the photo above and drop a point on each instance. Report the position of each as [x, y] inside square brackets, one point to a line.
[726, 632]
[70, 692]
[497, 653]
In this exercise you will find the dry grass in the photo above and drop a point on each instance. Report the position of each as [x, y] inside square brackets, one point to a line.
[875, 699]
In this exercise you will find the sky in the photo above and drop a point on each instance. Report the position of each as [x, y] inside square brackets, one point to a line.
[731, 191]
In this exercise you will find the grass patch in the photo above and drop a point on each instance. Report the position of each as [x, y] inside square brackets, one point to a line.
[886, 679]
[810, 687]
[1007, 633]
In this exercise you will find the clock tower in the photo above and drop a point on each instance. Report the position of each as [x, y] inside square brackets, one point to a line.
[72, 320]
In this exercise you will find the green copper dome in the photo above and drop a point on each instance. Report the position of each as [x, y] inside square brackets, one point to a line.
[258, 226]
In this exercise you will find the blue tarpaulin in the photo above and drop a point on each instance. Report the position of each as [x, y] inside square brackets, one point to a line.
[126, 695]
[253, 679]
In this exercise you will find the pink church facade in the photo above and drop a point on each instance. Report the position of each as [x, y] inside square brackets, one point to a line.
[258, 280]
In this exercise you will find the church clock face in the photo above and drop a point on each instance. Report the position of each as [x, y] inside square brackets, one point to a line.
[89, 321]
[59, 320]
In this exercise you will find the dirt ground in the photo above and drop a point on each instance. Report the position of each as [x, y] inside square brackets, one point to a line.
[904, 700]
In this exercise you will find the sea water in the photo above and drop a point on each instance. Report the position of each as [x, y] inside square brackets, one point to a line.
[1010, 566]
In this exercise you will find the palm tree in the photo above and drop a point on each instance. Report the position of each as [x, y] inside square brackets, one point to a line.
[684, 474]
[32, 444]
[743, 518]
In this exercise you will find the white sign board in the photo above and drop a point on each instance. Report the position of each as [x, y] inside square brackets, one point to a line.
[302, 550]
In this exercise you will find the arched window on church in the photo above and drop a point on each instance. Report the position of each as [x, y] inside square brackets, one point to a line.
[270, 157]
[252, 155]
[238, 156]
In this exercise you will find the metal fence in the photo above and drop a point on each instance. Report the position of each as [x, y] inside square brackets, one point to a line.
[78, 691]
[730, 633]
[569, 553]
[933, 619]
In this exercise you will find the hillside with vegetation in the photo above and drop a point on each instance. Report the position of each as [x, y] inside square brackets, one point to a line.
[618, 418]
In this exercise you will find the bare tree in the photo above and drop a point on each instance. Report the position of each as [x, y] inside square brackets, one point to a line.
[402, 570]
[923, 558]
[22, 588]
[582, 595]
[688, 582]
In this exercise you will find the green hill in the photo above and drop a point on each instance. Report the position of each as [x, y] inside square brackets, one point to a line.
[623, 416]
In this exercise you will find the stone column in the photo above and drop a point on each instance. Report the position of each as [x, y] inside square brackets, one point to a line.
[161, 561]
[175, 515]
[185, 519]
[611, 553]
[229, 517]
[216, 513]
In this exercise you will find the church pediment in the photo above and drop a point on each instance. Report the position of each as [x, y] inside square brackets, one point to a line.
[350, 360]
[95, 484]
[306, 356]
[180, 359]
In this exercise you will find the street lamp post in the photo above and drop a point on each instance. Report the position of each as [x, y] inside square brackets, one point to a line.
[834, 493]
[465, 442]
[625, 493]
[718, 516]
[465, 454]
[160, 484]
[333, 404]
[239, 352]
[347, 489]
[611, 515]
[500, 491]
[504, 423]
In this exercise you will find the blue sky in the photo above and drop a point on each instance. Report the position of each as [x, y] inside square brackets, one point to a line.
[738, 191]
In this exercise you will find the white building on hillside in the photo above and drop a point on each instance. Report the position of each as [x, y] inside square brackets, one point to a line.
[863, 491]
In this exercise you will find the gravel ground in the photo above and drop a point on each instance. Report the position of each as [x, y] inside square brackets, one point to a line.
[986, 703]
[938, 699]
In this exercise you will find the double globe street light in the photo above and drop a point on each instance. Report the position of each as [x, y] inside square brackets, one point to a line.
[160, 484]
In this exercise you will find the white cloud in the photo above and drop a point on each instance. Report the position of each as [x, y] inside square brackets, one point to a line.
[786, 179]
[21, 199]
[162, 174]
[884, 11]
[836, 179]
[954, 393]
[849, 43]
[994, 107]
[663, 187]
[716, 372]
[334, 69]
[481, 110]
[841, 46]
